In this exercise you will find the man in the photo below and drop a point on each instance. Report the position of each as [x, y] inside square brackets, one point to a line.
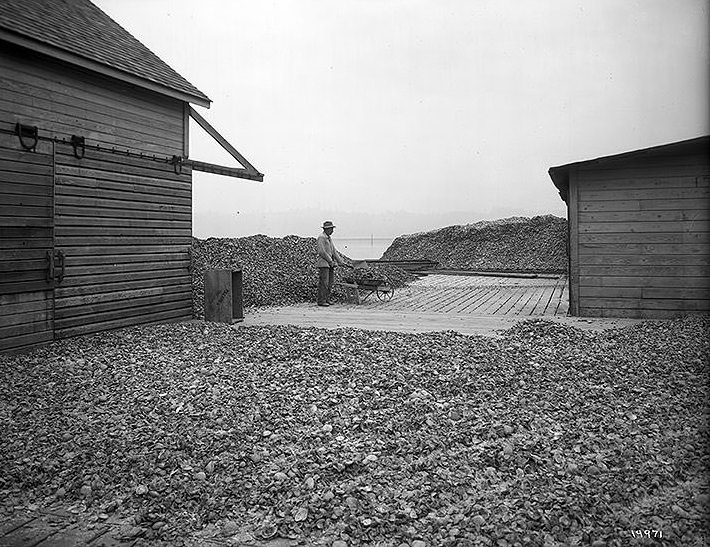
[328, 258]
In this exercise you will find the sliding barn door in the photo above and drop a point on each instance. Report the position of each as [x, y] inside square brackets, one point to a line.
[27, 258]
[124, 226]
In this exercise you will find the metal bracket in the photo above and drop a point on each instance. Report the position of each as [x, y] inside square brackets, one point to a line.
[50, 266]
[177, 164]
[78, 144]
[61, 259]
[27, 132]
[56, 263]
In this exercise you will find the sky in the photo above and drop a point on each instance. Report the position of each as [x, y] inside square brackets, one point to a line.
[397, 116]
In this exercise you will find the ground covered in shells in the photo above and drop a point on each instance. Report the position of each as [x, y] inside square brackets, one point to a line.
[547, 435]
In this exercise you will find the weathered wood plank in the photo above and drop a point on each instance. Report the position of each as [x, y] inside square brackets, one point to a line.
[700, 193]
[645, 271]
[24, 222]
[51, 106]
[649, 169]
[26, 232]
[644, 260]
[646, 227]
[99, 279]
[626, 313]
[25, 341]
[19, 266]
[91, 240]
[574, 236]
[23, 200]
[96, 289]
[657, 293]
[631, 180]
[119, 296]
[109, 310]
[136, 252]
[180, 314]
[522, 302]
[644, 281]
[73, 270]
[646, 307]
[642, 249]
[86, 88]
[124, 318]
[9, 310]
[13, 278]
[116, 216]
[20, 298]
[58, 123]
[647, 238]
[14, 331]
[516, 294]
[26, 210]
[462, 306]
[648, 304]
[125, 199]
[633, 217]
[611, 292]
[108, 130]
[117, 162]
[115, 259]
[25, 317]
[122, 201]
[41, 188]
[14, 170]
[218, 296]
[98, 224]
[553, 304]
[129, 232]
[490, 304]
[12, 153]
[23, 253]
[12, 246]
[644, 205]
[106, 179]
[31, 285]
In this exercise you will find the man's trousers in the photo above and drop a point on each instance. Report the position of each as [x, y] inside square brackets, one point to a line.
[326, 277]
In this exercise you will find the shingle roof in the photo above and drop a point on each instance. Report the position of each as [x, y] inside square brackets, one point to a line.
[698, 145]
[83, 30]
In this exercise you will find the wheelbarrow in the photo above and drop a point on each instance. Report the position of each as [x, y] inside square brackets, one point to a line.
[360, 289]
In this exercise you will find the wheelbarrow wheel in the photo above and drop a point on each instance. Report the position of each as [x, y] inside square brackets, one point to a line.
[385, 293]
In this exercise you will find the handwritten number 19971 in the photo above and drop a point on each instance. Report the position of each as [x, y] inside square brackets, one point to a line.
[647, 533]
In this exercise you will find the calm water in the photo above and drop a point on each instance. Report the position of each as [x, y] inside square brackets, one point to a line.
[362, 247]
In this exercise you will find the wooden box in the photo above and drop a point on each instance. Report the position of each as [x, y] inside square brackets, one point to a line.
[223, 296]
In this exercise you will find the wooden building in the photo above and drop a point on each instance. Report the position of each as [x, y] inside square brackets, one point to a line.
[639, 232]
[95, 176]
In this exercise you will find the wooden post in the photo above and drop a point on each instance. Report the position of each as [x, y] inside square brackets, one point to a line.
[223, 296]
[237, 307]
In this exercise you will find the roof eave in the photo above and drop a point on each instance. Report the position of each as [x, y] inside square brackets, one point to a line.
[102, 69]
[560, 178]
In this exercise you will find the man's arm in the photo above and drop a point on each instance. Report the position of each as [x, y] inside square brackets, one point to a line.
[338, 257]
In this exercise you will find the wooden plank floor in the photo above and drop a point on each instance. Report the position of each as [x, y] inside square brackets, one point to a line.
[467, 304]
[481, 295]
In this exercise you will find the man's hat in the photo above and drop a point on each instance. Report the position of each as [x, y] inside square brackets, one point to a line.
[328, 224]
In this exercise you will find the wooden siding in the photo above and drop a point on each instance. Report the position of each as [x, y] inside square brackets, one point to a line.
[642, 234]
[26, 236]
[124, 224]
[63, 101]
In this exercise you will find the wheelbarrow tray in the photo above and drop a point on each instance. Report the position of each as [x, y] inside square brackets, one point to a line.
[380, 287]
[366, 282]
